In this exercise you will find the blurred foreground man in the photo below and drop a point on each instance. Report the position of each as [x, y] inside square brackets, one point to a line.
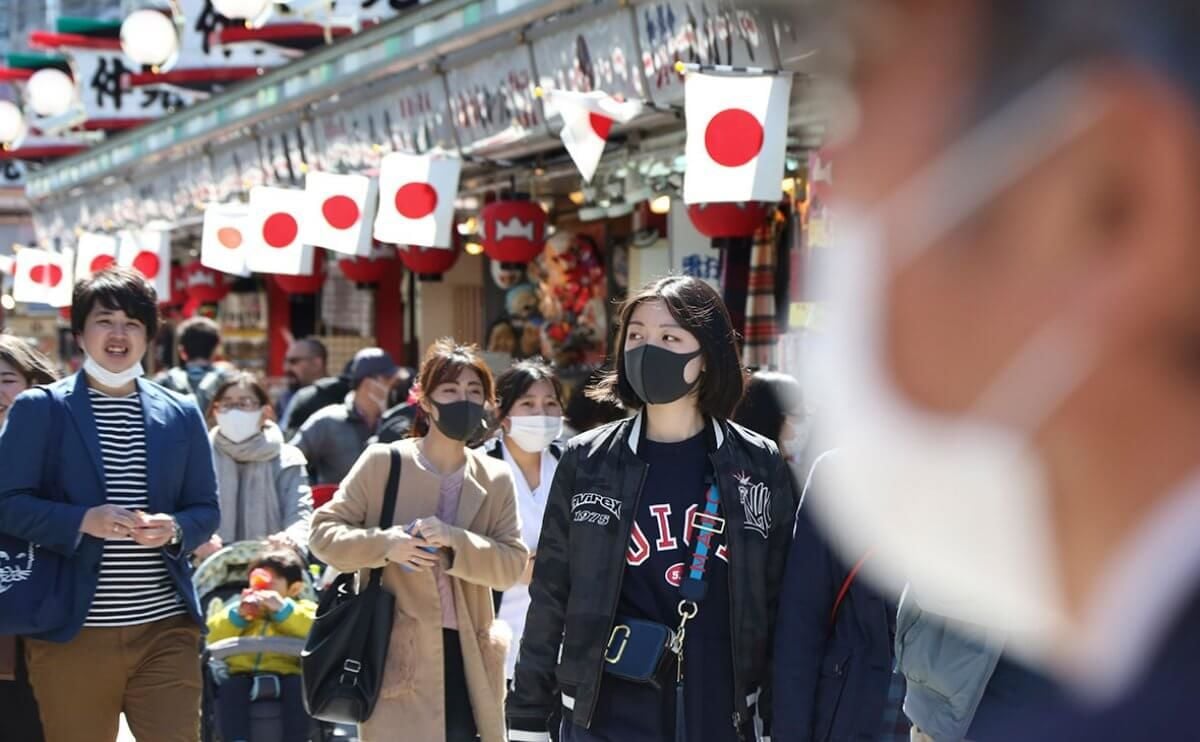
[1014, 337]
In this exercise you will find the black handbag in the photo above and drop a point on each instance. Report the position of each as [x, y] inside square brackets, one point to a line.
[641, 651]
[342, 662]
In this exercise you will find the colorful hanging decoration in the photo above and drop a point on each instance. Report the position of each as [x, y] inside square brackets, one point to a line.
[204, 285]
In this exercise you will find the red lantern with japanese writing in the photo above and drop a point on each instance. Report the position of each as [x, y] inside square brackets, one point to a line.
[429, 263]
[374, 268]
[729, 220]
[204, 285]
[307, 285]
[514, 230]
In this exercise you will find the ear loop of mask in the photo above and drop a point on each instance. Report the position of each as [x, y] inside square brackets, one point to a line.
[988, 159]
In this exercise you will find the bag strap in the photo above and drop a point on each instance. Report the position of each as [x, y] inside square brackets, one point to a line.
[389, 504]
[845, 589]
[706, 524]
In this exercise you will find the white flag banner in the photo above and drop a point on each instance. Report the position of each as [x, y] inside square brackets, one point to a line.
[7, 264]
[273, 231]
[94, 252]
[223, 244]
[62, 292]
[588, 119]
[736, 137]
[339, 210]
[35, 276]
[416, 199]
[147, 251]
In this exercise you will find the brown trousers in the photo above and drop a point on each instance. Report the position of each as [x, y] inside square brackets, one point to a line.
[150, 672]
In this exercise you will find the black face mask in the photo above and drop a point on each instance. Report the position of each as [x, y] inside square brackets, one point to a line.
[458, 421]
[656, 374]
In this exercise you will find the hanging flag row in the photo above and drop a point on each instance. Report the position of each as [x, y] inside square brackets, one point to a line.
[278, 230]
[48, 277]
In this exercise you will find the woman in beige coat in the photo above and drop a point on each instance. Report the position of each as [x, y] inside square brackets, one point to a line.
[456, 538]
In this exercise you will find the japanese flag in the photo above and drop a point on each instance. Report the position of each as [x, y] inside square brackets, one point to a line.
[416, 199]
[43, 277]
[148, 251]
[736, 137]
[273, 232]
[94, 253]
[588, 118]
[223, 238]
[339, 209]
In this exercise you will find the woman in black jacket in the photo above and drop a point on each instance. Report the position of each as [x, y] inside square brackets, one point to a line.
[672, 519]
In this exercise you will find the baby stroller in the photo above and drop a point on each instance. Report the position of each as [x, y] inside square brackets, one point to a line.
[219, 580]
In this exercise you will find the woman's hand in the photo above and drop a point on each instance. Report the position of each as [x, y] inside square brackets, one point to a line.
[434, 531]
[409, 551]
[527, 574]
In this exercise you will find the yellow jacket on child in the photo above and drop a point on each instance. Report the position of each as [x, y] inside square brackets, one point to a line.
[294, 619]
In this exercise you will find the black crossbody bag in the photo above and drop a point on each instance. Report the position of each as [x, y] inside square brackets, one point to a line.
[342, 662]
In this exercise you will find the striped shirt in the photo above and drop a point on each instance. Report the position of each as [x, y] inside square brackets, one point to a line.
[134, 586]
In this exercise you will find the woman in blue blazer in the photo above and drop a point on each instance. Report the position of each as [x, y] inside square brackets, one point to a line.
[111, 478]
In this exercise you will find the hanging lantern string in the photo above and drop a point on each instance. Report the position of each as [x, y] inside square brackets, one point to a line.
[668, 108]
[726, 69]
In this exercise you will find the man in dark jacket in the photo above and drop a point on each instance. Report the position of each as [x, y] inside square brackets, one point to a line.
[307, 361]
[196, 377]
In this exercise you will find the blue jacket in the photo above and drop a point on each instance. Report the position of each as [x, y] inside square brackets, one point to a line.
[831, 682]
[180, 474]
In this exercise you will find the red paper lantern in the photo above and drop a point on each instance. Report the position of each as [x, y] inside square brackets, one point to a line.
[429, 263]
[729, 220]
[513, 231]
[303, 284]
[179, 293]
[373, 268]
[204, 285]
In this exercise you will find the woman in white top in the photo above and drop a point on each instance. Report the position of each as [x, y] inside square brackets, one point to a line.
[530, 411]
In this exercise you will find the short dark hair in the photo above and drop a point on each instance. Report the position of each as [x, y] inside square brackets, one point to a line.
[244, 379]
[199, 338]
[515, 382]
[116, 288]
[770, 397]
[26, 360]
[317, 347]
[584, 413]
[284, 562]
[445, 361]
[699, 309]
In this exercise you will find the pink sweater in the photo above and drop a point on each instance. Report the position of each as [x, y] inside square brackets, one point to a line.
[449, 493]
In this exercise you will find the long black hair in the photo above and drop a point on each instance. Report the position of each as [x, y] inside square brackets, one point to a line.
[770, 398]
[516, 381]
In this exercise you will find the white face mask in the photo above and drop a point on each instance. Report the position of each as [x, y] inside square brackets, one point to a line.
[956, 505]
[112, 379]
[239, 425]
[535, 433]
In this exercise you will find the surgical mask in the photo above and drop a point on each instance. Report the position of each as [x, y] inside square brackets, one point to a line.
[955, 505]
[112, 379]
[656, 374]
[239, 425]
[535, 433]
[458, 421]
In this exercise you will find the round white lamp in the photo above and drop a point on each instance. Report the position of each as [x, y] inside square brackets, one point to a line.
[12, 122]
[149, 37]
[50, 92]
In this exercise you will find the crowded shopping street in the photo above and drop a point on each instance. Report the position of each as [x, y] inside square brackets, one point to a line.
[599, 370]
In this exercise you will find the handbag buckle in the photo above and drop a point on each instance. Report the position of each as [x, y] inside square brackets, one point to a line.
[712, 523]
[352, 668]
[608, 657]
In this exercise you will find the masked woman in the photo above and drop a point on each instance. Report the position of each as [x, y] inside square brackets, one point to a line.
[455, 538]
[662, 549]
[530, 412]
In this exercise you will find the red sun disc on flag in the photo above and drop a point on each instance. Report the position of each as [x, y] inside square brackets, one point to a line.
[229, 237]
[280, 230]
[416, 200]
[733, 137]
[340, 211]
[49, 275]
[100, 262]
[146, 263]
[602, 125]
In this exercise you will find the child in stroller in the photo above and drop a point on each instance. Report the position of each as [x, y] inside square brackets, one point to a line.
[254, 643]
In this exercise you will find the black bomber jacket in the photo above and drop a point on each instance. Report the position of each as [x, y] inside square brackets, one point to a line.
[581, 562]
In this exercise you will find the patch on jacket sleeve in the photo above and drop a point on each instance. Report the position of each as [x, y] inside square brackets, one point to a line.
[597, 509]
[756, 501]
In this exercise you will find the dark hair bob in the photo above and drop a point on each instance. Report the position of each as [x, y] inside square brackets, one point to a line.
[699, 309]
[516, 381]
[116, 289]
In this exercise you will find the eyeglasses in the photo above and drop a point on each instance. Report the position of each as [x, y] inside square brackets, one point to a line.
[245, 405]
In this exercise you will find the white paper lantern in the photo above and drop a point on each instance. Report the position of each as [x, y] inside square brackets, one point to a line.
[50, 92]
[149, 37]
[242, 10]
[12, 122]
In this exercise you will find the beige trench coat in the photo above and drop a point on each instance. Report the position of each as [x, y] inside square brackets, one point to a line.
[487, 554]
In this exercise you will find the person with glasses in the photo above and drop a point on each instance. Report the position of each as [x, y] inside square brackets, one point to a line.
[310, 388]
[262, 481]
